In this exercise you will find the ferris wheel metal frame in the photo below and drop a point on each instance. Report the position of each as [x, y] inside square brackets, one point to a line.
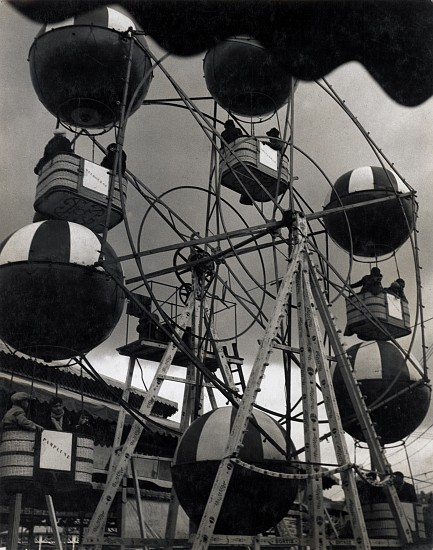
[205, 256]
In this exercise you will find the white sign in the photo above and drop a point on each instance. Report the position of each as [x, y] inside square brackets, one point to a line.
[56, 451]
[268, 156]
[394, 307]
[96, 177]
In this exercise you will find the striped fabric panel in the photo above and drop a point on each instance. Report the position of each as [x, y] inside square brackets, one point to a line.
[366, 361]
[119, 21]
[54, 241]
[213, 438]
[51, 242]
[98, 17]
[365, 178]
[361, 179]
[400, 185]
[102, 17]
[330, 196]
[207, 437]
[16, 247]
[385, 178]
[215, 434]
[85, 245]
[413, 373]
[380, 360]
[50, 26]
[393, 362]
[252, 449]
[342, 185]
[277, 433]
[186, 451]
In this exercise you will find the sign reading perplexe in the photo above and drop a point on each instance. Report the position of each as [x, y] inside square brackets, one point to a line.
[96, 177]
[56, 451]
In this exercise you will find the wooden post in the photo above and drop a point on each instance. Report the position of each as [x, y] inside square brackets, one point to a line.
[14, 521]
[138, 498]
[122, 413]
[123, 504]
[53, 521]
[97, 524]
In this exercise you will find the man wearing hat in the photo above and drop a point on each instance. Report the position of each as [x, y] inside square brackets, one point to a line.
[275, 140]
[230, 132]
[57, 144]
[397, 288]
[406, 491]
[109, 159]
[15, 417]
[371, 283]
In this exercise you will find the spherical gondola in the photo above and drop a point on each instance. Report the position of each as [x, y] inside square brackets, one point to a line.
[245, 78]
[79, 68]
[388, 381]
[254, 502]
[56, 302]
[204, 260]
[375, 229]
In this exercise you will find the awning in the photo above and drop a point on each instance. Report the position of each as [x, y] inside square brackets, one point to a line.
[392, 39]
[72, 401]
[78, 381]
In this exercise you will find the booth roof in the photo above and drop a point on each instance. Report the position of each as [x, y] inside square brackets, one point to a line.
[72, 401]
[70, 380]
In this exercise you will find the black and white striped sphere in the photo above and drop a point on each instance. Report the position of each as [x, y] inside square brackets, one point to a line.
[253, 502]
[79, 67]
[383, 371]
[54, 302]
[375, 229]
[245, 78]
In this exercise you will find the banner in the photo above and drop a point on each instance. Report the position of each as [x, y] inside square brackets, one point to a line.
[96, 177]
[56, 451]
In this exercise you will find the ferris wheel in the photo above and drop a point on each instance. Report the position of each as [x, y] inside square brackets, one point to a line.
[239, 262]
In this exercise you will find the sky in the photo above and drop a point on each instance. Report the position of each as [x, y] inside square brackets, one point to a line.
[169, 151]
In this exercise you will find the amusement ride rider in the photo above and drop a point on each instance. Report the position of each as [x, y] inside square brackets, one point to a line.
[57, 144]
[84, 426]
[15, 417]
[406, 491]
[57, 420]
[397, 289]
[230, 132]
[108, 160]
[371, 283]
[275, 141]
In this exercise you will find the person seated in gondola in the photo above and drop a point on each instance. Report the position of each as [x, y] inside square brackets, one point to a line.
[230, 132]
[397, 289]
[84, 425]
[406, 491]
[57, 145]
[274, 139]
[16, 417]
[371, 283]
[229, 135]
[368, 491]
[108, 160]
[57, 419]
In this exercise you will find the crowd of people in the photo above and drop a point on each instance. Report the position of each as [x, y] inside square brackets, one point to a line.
[56, 420]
